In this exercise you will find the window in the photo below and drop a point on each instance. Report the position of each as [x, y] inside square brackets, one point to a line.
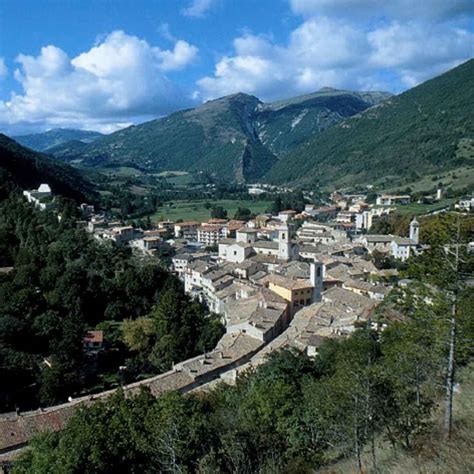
[318, 272]
[283, 236]
[235, 252]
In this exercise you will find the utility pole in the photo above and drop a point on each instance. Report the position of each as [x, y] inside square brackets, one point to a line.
[448, 413]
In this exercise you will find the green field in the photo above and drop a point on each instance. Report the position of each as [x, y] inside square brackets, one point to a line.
[195, 210]
[419, 209]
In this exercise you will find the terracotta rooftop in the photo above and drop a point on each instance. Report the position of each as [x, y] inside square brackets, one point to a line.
[94, 337]
[287, 283]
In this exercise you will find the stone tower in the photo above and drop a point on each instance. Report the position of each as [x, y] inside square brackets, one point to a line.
[284, 242]
[415, 231]
[316, 275]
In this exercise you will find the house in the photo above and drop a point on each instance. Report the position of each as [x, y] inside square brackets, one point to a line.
[316, 233]
[122, 234]
[298, 292]
[211, 234]
[261, 220]
[93, 341]
[247, 268]
[168, 225]
[465, 204]
[349, 300]
[363, 220]
[235, 252]
[378, 292]
[345, 217]
[286, 216]
[262, 315]
[402, 248]
[246, 235]
[186, 230]
[180, 262]
[379, 242]
[391, 199]
[233, 226]
[360, 287]
[193, 274]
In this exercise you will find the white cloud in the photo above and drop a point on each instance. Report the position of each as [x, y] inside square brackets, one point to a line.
[197, 8]
[413, 45]
[118, 81]
[325, 51]
[319, 52]
[395, 9]
[182, 54]
[3, 68]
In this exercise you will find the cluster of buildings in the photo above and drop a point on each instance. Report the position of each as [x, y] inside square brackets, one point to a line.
[42, 198]
[288, 280]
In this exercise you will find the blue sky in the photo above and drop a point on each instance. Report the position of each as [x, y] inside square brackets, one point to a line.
[105, 64]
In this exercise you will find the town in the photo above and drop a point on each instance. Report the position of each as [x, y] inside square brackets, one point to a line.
[293, 279]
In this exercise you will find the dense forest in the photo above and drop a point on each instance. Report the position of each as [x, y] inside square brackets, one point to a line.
[58, 283]
[28, 169]
[295, 413]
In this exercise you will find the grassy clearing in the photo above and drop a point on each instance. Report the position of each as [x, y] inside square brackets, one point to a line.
[196, 210]
[433, 453]
[456, 179]
[418, 209]
[120, 171]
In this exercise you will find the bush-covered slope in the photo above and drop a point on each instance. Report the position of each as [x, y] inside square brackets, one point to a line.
[28, 169]
[235, 137]
[427, 129]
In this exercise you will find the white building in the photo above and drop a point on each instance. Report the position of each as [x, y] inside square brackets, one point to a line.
[42, 198]
[286, 216]
[211, 234]
[234, 252]
[363, 220]
[465, 204]
[391, 199]
[122, 234]
[186, 230]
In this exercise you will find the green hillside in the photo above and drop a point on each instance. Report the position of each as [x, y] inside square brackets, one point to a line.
[54, 137]
[68, 150]
[426, 130]
[236, 137]
[28, 169]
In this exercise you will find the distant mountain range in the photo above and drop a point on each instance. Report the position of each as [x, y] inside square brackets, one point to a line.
[55, 137]
[332, 138]
[237, 137]
[28, 169]
[424, 131]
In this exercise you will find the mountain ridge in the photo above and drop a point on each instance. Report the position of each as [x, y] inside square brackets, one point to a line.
[55, 137]
[427, 129]
[236, 137]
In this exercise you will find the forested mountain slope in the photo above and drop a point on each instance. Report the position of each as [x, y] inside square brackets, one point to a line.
[28, 169]
[235, 137]
[54, 137]
[427, 129]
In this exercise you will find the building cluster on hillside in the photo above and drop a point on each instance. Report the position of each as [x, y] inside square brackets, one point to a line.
[288, 280]
[260, 275]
